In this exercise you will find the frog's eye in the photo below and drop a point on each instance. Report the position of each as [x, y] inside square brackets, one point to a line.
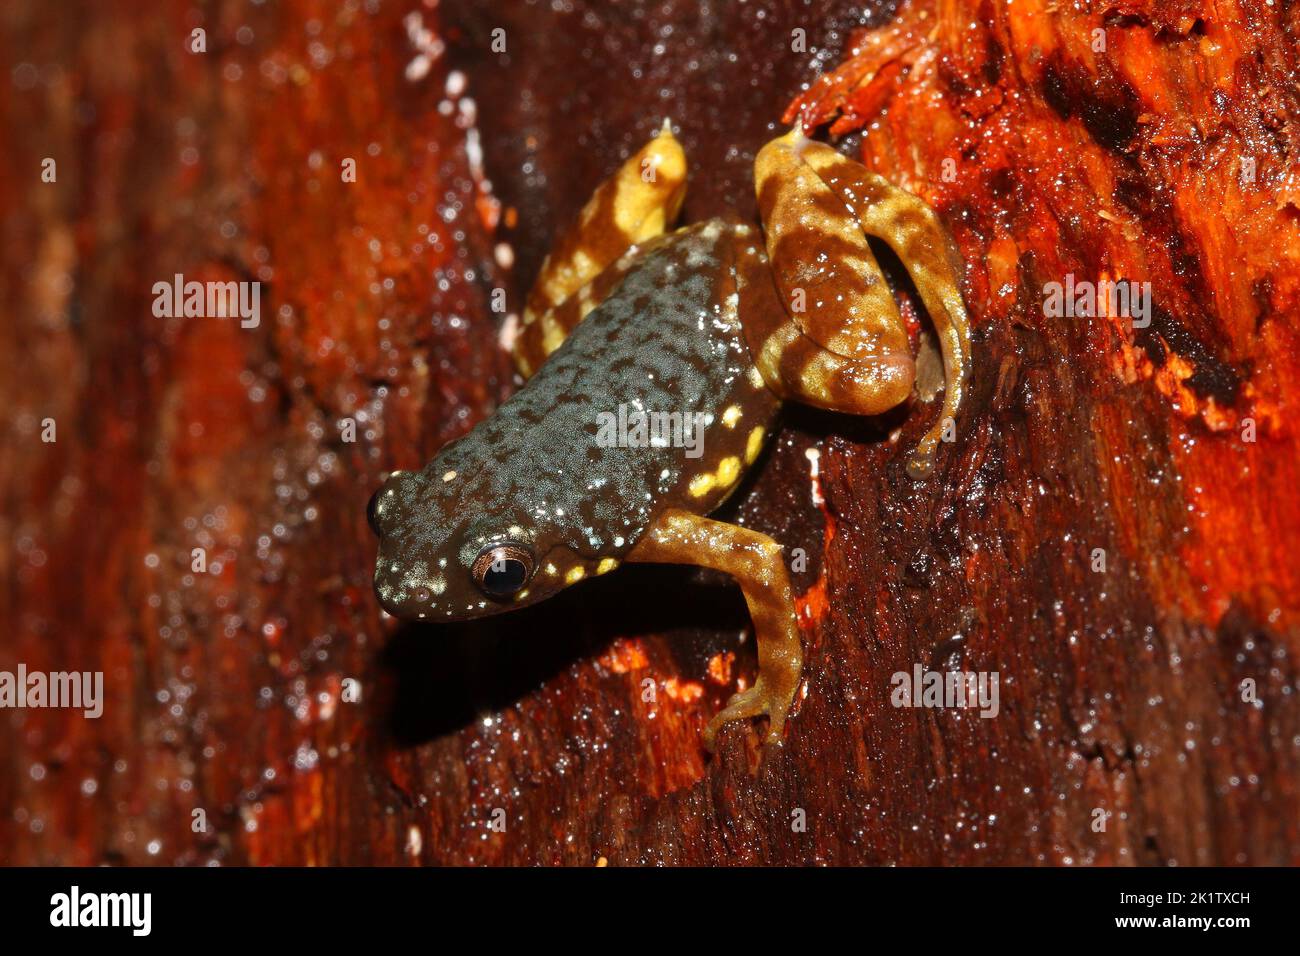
[372, 512]
[502, 569]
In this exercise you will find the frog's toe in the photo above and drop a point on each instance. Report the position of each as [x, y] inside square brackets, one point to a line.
[757, 701]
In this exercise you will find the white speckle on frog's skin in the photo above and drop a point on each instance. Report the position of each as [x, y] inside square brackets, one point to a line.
[449, 476]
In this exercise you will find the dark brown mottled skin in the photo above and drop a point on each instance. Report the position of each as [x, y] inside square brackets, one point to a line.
[626, 320]
[668, 340]
[709, 325]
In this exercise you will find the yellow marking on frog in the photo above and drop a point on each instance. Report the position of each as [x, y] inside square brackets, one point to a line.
[754, 445]
[653, 223]
[755, 377]
[606, 565]
[728, 471]
[726, 475]
[553, 334]
[633, 205]
[449, 476]
[584, 264]
[813, 377]
[521, 595]
[773, 348]
[701, 485]
[551, 569]
[731, 416]
[576, 574]
[639, 211]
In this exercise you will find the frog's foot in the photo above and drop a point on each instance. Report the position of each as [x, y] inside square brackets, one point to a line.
[757, 701]
[819, 208]
[754, 560]
[636, 204]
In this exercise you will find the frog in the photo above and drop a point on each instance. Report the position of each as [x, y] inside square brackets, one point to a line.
[716, 322]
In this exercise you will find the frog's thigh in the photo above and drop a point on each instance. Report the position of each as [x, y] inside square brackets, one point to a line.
[754, 560]
[827, 276]
[798, 368]
[806, 372]
[912, 230]
[638, 202]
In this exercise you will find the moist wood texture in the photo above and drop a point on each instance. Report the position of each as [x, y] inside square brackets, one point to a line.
[1169, 156]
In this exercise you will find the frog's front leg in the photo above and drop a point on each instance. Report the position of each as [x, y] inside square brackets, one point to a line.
[754, 561]
[590, 258]
[847, 349]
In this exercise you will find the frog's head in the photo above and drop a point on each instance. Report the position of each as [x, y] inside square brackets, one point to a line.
[442, 558]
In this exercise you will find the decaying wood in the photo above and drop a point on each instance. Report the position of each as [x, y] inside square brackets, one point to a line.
[1111, 532]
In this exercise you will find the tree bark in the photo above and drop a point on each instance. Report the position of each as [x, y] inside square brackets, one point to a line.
[1111, 532]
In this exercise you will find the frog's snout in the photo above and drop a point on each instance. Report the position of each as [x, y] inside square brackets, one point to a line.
[386, 513]
[384, 595]
[383, 511]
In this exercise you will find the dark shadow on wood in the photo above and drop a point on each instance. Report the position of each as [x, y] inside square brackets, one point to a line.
[437, 678]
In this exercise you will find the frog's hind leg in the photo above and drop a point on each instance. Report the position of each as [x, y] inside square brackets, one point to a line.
[912, 230]
[636, 204]
[797, 367]
[754, 561]
[810, 197]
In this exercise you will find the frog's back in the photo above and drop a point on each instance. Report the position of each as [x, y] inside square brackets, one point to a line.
[666, 343]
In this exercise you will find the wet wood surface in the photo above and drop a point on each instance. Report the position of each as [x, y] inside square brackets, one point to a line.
[1112, 532]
